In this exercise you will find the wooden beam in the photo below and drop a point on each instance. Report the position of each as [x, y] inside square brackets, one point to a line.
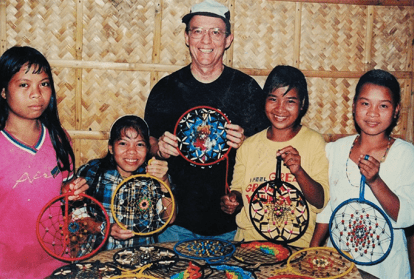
[114, 66]
[90, 135]
[172, 68]
[357, 2]
[327, 74]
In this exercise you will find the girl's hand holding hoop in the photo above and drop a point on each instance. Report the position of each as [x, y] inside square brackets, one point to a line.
[231, 202]
[158, 168]
[120, 234]
[369, 167]
[291, 159]
[77, 186]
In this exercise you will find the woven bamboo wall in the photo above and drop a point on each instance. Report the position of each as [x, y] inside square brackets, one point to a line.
[107, 55]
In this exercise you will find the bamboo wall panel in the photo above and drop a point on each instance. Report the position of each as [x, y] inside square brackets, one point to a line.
[330, 109]
[332, 37]
[173, 48]
[108, 94]
[107, 55]
[47, 25]
[92, 149]
[118, 31]
[263, 34]
[391, 43]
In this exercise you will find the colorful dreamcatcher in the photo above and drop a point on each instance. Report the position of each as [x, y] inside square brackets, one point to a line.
[201, 134]
[362, 229]
[261, 253]
[175, 269]
[134, 257]
[168, 268]
[278, 210]
[290, 276]
[212, 251]
[230, 271]
[318, 262]
[143, 204]
[95, 269]
[72, 230]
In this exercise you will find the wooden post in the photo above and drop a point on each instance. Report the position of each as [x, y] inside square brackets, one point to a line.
[298, 27]
[156, 50]
[77, 144]
[3, 22]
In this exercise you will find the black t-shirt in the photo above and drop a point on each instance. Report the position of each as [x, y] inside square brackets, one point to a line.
[198, 189]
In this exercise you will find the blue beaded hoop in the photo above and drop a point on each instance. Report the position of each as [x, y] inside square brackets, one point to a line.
[362, 229]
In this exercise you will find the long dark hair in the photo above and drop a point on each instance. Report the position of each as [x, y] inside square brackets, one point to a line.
[118, 129]
[385, 79]
[284, 75]
[11, 62]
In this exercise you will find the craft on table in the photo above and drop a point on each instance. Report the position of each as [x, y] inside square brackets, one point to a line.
[86, 270]
[318, 262]
[261, 252]
[134, 257]
[207, 249]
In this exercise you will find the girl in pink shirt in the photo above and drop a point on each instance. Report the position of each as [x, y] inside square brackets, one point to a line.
[37, 160]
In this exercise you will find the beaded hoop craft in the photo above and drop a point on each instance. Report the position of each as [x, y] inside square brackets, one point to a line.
[290, 276]
[72, 230]
[230, 271]
[260, 252]
[362, 229]
[319, 262]
[176, 269]
[143, 204]
[212, 251]
[201, 134]
[278, 210]
[134, 257]
[86, 270]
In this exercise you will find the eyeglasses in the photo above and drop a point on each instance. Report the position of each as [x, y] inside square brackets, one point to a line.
[215, 33]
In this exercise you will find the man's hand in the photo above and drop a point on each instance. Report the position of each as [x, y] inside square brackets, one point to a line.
[235, 135]
[167, 146]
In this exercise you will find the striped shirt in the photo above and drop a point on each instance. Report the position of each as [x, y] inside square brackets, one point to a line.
[103, 184]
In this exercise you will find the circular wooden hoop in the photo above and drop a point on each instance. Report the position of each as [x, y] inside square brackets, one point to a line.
[56, 226]
[201, 136]
[144, 206]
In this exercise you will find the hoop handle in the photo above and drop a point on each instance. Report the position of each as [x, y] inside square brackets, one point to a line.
[362, 184]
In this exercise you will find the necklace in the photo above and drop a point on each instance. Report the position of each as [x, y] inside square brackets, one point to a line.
[382, 159]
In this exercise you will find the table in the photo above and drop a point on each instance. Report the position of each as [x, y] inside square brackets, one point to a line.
[263, 272]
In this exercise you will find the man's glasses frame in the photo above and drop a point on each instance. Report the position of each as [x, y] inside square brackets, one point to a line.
[215, 33]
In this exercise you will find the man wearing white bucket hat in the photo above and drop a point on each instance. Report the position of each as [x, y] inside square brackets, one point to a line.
[205, 82]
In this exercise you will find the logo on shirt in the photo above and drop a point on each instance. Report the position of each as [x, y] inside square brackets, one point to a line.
[27, 178]
[255, 182]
